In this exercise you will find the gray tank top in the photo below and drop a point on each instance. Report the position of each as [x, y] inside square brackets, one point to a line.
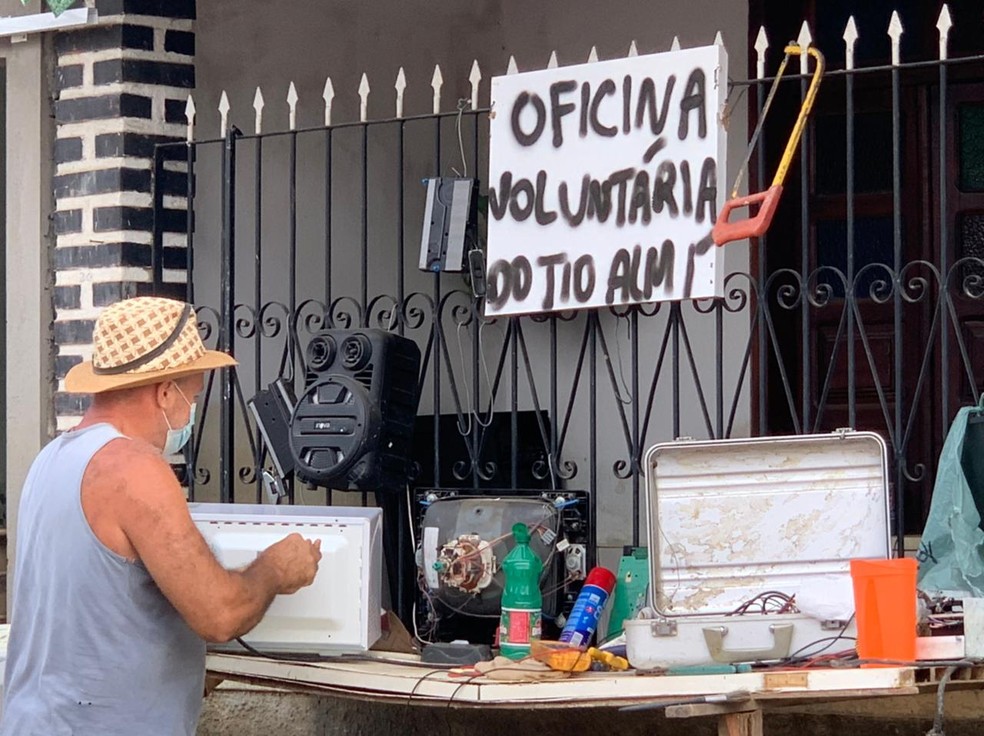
[95, 647]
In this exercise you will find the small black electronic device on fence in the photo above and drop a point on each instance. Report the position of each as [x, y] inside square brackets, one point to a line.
[450, 228]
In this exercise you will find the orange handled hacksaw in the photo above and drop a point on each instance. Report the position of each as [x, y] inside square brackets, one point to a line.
[753, 227]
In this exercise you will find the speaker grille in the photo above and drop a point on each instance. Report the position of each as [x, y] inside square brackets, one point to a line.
[352, 426]
[365, 377]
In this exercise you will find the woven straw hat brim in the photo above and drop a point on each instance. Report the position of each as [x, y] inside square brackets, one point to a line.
[81, 379]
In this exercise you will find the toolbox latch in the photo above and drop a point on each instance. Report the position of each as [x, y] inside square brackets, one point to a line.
[661, 627]
[842, 431]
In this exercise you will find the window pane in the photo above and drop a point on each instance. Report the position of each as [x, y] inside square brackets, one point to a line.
[970, 243]
[872, 162]
[971, 123]
[872, 244]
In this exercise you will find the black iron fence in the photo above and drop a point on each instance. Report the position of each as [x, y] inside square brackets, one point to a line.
[874, 326]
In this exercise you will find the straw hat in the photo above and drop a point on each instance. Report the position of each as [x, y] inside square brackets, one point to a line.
[143, 341]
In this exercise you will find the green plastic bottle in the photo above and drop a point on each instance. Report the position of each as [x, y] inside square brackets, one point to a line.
[522, 603]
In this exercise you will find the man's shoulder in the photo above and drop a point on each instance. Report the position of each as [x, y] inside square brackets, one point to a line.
[127, 449]
[132, 462]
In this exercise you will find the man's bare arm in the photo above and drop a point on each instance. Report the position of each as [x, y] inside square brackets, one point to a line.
[218, 604]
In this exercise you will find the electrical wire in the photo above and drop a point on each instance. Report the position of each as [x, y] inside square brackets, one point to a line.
[487, 422]
[470, 680]
[417, 684]
[621, 366]
[502, 537]
[266, 655]
[786, 603]
[921, 664]
[560, 586]
[831, 640]
[937, 729]
[463, 104]
[413, 546]
[338, 658]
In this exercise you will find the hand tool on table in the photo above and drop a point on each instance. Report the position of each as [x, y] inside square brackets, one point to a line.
[612, 661]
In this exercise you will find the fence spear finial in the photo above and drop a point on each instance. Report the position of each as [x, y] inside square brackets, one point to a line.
[552, 61]
[364, 98]
[258, 107]
[292, 106]
[804, 40]
[675, 46]
[633, 50]
[593, 55]
[761, 46]
[328, 95]
[895, 31]
[511, 67]
[850, 38]
[223, 113]
[400, 87]
[475, 78]
[437, 81]
[190, 116]
[944, 24]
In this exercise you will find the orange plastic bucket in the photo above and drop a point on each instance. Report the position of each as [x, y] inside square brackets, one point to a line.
[885, 608]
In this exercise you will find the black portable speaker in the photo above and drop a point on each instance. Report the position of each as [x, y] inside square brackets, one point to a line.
[352, 428]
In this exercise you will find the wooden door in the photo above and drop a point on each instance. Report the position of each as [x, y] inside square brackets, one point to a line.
[903, 401]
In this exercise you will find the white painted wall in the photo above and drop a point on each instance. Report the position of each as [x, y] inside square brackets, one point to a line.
[255, 42]
[29, 136]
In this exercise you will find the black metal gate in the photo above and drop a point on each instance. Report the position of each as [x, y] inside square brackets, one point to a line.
[295, 231]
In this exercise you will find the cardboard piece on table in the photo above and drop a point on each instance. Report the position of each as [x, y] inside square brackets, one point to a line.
[395, 637]
[525, 670]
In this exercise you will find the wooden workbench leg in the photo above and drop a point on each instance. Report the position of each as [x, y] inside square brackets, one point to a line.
[748, 723]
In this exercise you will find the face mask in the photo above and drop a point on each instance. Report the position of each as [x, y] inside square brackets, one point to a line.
[178, 438]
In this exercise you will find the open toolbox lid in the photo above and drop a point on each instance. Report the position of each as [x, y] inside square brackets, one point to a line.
[730, 519]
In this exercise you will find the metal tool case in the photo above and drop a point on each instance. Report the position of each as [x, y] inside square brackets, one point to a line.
[729, 520]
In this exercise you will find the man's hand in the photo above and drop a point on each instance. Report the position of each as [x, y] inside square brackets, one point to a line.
[296, 561]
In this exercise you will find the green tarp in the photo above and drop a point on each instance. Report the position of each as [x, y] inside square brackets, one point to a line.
[951, 553]
[55, 6]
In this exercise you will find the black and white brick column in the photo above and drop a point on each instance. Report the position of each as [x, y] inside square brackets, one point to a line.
[121, 88]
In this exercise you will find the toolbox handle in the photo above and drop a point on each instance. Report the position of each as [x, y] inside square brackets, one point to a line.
[782, 639]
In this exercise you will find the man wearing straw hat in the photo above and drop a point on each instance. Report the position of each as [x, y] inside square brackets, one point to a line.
[115, 591]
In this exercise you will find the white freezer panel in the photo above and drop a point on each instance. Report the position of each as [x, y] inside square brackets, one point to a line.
[340, 611]
[327, 610]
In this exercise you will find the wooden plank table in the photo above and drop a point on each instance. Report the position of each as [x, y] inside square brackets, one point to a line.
[406, 679]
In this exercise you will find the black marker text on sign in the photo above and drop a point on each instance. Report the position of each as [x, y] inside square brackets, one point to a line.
[604, 182]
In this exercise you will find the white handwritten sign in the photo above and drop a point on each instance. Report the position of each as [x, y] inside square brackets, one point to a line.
[604, 183]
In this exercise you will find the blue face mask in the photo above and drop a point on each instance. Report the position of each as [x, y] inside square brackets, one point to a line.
[178, 438]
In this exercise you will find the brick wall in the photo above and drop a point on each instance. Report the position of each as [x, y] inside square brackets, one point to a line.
[120, 88]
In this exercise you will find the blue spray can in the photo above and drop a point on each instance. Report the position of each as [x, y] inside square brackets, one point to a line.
[583, 621]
